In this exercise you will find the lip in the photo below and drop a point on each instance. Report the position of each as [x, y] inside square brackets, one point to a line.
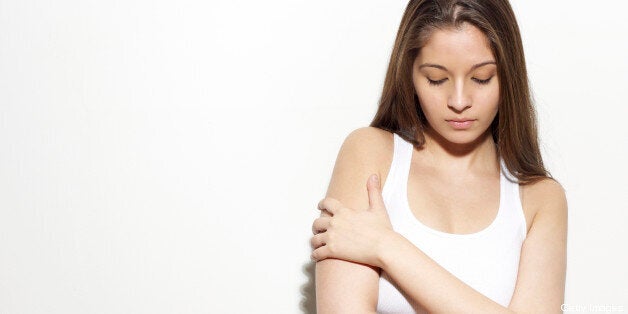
[460, 124]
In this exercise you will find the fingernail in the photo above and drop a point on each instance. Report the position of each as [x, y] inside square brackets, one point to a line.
[374, 178]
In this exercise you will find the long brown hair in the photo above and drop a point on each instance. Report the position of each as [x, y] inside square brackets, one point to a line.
[514, 129]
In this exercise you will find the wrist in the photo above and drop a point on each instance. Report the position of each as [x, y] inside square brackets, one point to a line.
[388, 244]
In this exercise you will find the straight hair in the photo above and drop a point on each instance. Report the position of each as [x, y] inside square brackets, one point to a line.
[514, 129]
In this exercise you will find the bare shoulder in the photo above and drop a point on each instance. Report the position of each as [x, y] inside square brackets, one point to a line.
[372, 146]
[369, 137]
[365, 151]
[545, 196]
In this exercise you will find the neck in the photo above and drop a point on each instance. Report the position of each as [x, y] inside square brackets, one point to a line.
[479, 156]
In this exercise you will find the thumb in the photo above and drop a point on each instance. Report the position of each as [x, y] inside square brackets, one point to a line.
[376, 201]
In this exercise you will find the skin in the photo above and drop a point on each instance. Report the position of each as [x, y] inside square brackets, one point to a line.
[354, 239]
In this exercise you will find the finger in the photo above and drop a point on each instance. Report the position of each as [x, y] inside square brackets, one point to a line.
[325, 213]
[320, 253]
[376, 201]
[332, 205]
[318, 240]
[320, 225]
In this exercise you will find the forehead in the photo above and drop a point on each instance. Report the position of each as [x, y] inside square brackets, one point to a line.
[453, 47]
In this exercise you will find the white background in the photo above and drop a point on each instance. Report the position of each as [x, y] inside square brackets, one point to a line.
[167, 156]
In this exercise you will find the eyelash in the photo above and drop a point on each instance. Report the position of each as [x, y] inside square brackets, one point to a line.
[483, 82]
[439, 82]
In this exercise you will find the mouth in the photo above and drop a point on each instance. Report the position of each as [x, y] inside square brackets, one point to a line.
[460, 124]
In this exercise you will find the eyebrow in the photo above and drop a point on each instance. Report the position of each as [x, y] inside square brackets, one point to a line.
[438, 66]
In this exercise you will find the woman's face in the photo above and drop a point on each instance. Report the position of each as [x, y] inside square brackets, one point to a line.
[455, 77]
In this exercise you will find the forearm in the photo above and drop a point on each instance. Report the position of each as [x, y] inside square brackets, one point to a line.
[428, 283]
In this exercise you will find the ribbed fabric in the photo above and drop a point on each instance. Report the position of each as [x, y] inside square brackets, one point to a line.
[487, 260]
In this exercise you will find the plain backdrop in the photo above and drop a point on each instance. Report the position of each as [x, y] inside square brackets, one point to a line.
[167, 156]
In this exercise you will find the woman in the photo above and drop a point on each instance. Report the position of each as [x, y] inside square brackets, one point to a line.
[466, 218]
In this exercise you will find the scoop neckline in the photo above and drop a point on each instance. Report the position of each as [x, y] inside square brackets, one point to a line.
[416, 222]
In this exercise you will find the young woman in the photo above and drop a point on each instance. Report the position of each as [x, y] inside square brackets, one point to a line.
[466, 218]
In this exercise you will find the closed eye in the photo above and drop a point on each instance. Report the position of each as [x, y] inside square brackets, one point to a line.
[439, 82]
[483, 82]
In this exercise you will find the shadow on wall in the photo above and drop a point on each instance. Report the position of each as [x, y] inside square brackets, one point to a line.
[308, 290]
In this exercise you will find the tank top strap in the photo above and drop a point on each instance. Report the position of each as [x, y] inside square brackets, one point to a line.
[513, 209]
[400, 167]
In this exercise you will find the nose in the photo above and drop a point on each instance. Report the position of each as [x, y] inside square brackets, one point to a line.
[459, 101]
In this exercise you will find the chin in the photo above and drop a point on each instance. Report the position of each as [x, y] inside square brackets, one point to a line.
[461, 140]
[463, 137]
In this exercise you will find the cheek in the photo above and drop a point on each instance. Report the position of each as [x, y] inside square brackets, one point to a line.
[490, 100]
[430, 101]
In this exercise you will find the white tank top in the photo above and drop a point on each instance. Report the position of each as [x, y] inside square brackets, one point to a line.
[487, 260]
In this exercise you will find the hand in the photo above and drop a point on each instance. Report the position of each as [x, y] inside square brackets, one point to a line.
[352, 234]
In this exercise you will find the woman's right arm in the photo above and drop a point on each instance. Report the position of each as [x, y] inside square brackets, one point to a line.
[341, 286]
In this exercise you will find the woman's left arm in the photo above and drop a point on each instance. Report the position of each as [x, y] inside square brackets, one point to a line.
[541, 278]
